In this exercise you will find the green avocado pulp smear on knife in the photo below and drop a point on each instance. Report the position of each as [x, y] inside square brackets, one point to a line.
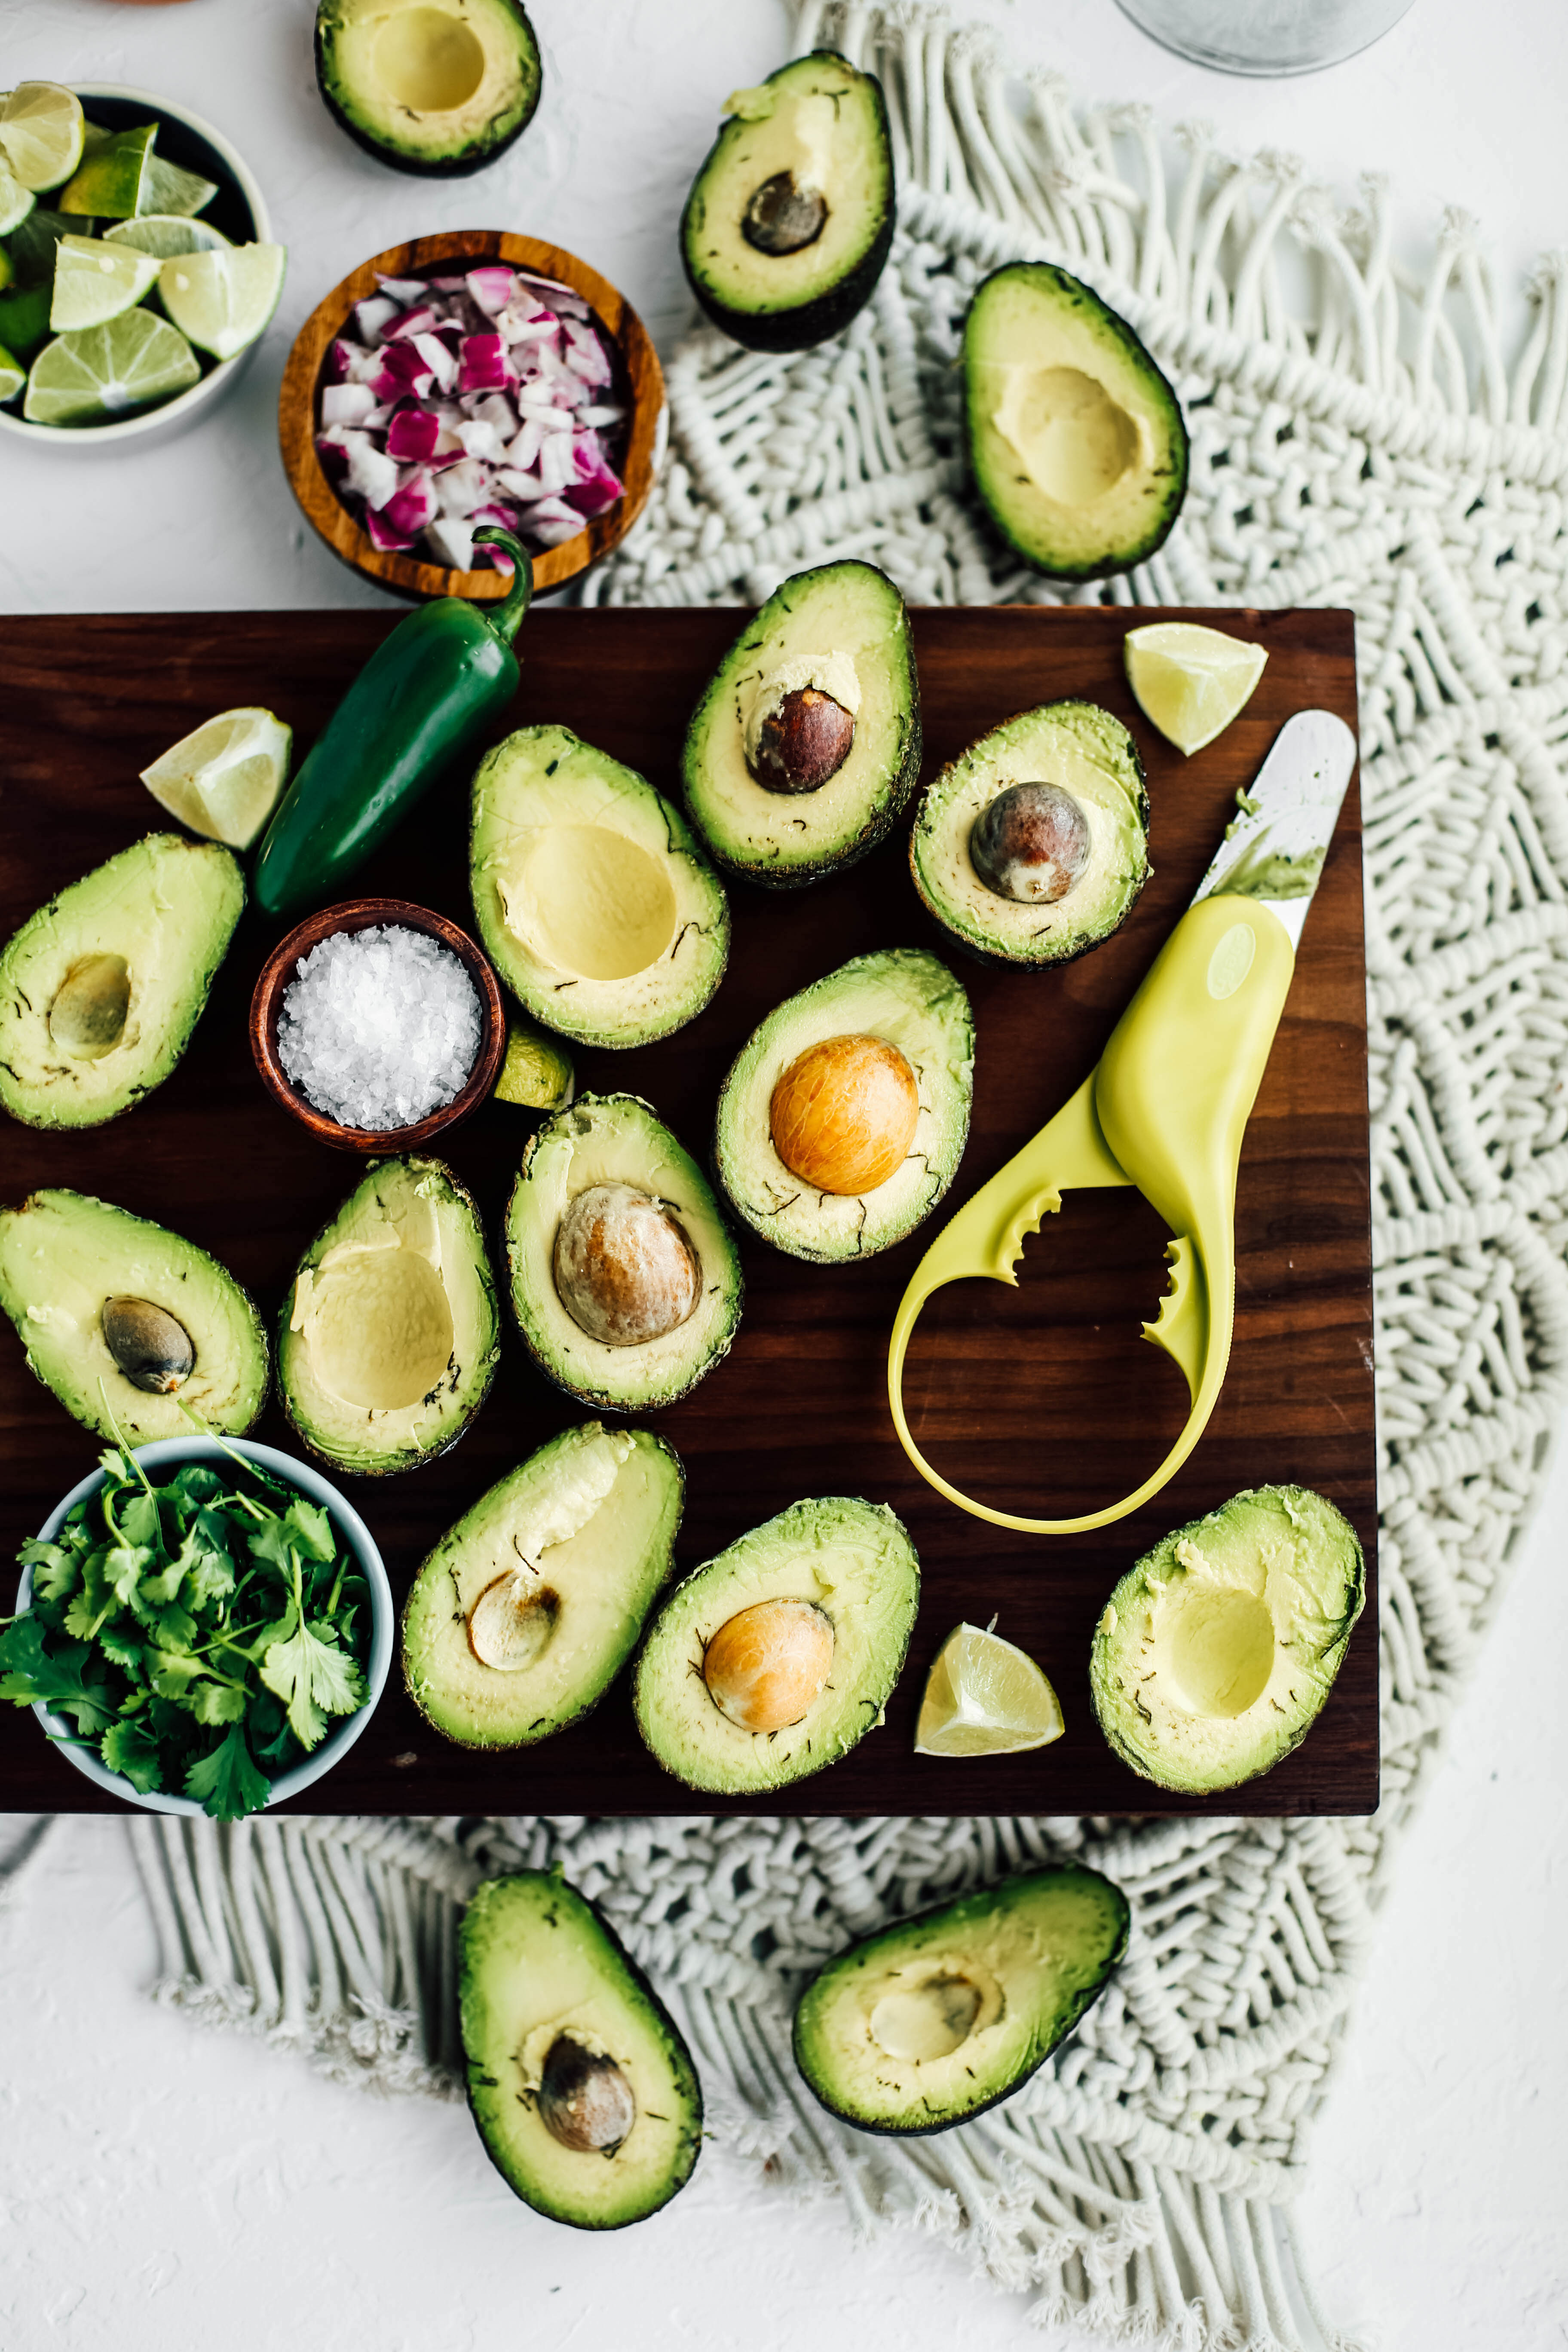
[419, 704]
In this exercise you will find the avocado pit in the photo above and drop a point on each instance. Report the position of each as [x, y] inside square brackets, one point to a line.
[584, 2100]
[154, 1352]
[803, 741]
[783, 217]
[930, 2020]
[625, 1268]
[86, 1019]
[512, 1622]
[1030, 844]
[844, 1114]
[766, 1666]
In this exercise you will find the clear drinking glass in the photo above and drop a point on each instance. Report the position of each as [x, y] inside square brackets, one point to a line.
[1266, 37]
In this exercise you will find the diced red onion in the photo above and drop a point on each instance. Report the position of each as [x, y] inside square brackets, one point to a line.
[373, 315]
[402, 290]
[451, 542]
[410, 322]
[413, 506]
[347, 404]
[485, 365]
[412, 435]
[492, 286]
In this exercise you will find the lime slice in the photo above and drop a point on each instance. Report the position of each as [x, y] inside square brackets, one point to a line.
[984, 1697]
[32, 247]
[226, 779]
[95, 281]
[168, 189]
[13, 375]
[166, 233]
[99, 373]
[41, 131]
[537, 1071]
[223, 299]
[1190, 681]
[15, 201]
[25, 320]
[112, 173]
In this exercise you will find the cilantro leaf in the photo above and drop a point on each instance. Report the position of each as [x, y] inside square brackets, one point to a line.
[271, 1543]
[218, 1702]
[140, 1523]
[227, 1780]
[130, 1747]
[124, 1646]
[56, 1569]
[311, 1529]
[172, 1673]
[58, 1679]
[313, 1679]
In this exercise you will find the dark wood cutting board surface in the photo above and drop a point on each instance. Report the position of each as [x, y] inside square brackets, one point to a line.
[1043, 1398]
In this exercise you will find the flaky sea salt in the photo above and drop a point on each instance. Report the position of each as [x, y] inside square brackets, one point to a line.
[379, 1028]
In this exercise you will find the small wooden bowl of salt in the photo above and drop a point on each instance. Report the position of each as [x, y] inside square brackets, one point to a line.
[404, 1030]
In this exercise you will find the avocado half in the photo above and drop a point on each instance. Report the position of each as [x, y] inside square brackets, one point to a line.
[430, 86]
[791, 217]
[905, 998]
[521, 1617]
[840, 632]
[1079, 751]
[390, 1332]
[835, 1574]
[1217, 1648]
[66, 1258]
[1077, 441]
[595, 901]
[616, 1145]
[934, 2020]
[583, 2090]
[100, 990]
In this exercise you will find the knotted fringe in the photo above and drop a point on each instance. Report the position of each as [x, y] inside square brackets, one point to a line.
[1358, 437]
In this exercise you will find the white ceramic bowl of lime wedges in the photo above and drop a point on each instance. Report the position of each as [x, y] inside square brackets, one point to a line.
[102, 402]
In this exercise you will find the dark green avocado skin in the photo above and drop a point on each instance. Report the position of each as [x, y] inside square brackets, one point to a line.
[471, 158]
[811, 322]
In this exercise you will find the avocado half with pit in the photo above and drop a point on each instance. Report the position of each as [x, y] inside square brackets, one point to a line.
[1032, 847]
[934, 2020]
[131, 1325]
[844, 1116]
[526, 1610]
[595, 901]
[390, 1331]
[772, 1660]
[1217, 1648]
[100, 990]
[578, 2079]
[805, 747]
[624, 1279]
[791, 217]
[1077, 441]
[431, 86]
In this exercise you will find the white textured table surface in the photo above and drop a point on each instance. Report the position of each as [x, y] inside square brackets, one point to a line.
[161, 2186]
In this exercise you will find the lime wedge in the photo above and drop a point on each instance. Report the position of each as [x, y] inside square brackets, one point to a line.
[226, 779]
[15, 201]
[537, 1071]
[166, 234]
[223, 301]
[95, 281]
[13, 375]
[99, 372]
[32, 247]
[1190, 681]
[25, 320]
[168, 189]
[111, 179]
[41, 131]
[984, 1697]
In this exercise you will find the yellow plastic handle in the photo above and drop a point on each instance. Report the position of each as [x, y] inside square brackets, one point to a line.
[1166, 1110]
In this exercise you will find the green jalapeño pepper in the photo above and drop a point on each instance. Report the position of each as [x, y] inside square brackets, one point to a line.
[416, 705]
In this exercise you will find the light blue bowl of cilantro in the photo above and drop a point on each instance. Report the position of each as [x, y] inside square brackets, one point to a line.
[213, 1618]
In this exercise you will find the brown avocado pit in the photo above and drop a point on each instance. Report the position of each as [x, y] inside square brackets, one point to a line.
[156, 1354]
[584, 2100]
[86, 1019]
[783, 217]
[512, 1621]
[803, 743]
[1030, 844]
[844, 1114]
[625, 1268]
[767, 1665]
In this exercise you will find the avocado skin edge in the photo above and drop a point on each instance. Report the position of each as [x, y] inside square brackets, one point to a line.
[443, 167]
[1075, 2012]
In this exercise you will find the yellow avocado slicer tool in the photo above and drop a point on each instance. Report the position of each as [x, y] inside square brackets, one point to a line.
[1166, 1106]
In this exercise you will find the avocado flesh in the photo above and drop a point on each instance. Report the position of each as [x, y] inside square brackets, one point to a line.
[64, 1255]
[592, 897]
[1091, 754]
[436, 86]
[936, 2018]
[840, 613]
[910, 999]
[1076, 439]
[100, 990]
[389, 1330]
[851, 1559]
[1217, 1648]
[536, 1963]
[583, 1532]
[823, 124]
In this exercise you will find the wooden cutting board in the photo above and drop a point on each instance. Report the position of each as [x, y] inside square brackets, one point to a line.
[1043, 1398]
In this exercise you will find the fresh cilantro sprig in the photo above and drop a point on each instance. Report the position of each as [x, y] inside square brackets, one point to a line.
[201, 1635]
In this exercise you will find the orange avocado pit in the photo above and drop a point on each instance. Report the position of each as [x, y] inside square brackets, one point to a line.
[766, 1666]
[626, 1270]
[844, 1114]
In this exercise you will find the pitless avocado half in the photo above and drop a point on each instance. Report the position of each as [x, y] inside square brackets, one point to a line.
[430, 86]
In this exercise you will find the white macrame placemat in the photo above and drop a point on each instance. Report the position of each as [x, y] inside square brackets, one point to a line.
[1357, 439]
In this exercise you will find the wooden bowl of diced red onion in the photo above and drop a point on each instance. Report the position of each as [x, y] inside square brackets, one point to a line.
[468, 378]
